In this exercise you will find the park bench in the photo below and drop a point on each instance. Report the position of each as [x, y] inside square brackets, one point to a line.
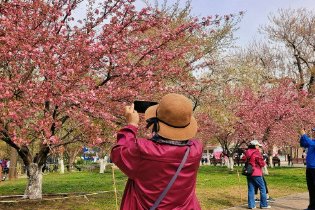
[298, 160]
[275, 160]
[215, 161]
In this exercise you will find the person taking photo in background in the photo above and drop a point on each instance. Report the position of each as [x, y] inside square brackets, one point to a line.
[307, 142]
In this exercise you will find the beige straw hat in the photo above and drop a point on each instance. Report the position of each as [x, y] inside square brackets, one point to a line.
[174, 117]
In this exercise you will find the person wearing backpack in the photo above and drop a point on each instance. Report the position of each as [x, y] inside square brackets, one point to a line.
[256, 179]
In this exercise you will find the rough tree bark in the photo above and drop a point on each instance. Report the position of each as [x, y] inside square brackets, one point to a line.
[34, 186]
[13, 164]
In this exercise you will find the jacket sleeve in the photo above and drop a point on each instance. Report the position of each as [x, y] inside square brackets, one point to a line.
[259, 160]
[125, 154]
[306, 141]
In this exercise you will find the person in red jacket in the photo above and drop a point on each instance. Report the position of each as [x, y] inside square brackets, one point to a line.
[256, 179]
[151, 164]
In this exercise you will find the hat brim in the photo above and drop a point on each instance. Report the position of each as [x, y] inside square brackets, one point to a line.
[177, 134]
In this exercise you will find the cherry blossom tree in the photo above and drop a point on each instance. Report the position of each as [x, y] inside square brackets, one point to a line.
[275, 114]
[60, 76]
[279, 106]
[291, 32]
[222, 121]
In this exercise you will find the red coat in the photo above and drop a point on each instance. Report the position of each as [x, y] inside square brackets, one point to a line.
[150, 166]
[256, 160]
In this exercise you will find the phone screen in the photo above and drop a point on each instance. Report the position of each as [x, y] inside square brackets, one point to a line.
[142, 106]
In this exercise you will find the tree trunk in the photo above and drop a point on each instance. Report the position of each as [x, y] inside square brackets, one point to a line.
[19, 169]
[71, 163]
[208, 160]
[231, 164]
[102, 165]
[13, 164]
[70, 167]
[72, 153]
[62, 165]
[35, 177]
[270, 161]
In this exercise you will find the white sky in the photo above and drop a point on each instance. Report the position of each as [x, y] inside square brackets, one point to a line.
[257, 12]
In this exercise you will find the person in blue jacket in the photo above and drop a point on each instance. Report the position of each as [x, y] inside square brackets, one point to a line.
[307, 142]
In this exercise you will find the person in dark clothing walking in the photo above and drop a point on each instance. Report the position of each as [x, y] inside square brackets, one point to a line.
[289, 160]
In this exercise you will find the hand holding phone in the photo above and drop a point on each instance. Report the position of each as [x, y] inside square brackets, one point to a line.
[142, 106]
[131, 115]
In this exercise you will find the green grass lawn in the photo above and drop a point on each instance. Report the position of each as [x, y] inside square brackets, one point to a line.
[217, 188]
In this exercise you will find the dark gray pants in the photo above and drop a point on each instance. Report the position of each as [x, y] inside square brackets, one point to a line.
[310, 180]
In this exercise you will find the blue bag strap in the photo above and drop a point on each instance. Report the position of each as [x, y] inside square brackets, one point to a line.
[163, 194]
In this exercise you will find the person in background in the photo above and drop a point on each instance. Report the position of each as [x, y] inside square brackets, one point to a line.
[151, 164]
[289, 160]
[266, 159]
[5, 169]
[269, 199]
[8, 166]
[304, 157]
[256, 179]
[309, 143]
[264, 172]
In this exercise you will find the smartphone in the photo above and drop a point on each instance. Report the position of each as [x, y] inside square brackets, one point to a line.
[141, 106]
